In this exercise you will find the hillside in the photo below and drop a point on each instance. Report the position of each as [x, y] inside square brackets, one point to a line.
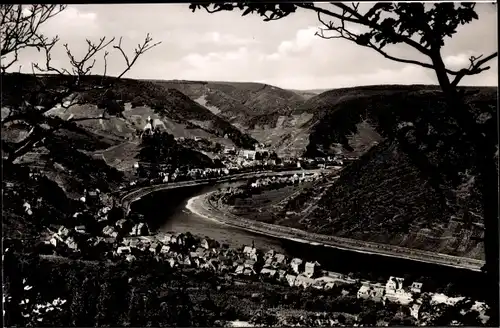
[263, 111]
[295, 122]
[244, 104]
[94, 154]
[179, 114]
[384, 197]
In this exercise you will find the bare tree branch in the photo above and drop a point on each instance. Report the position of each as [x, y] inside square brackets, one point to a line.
[141, 49]
[344, 33]
[474, 68]
[20, 30]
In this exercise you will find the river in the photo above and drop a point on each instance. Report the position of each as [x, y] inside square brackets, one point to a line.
[166, 211]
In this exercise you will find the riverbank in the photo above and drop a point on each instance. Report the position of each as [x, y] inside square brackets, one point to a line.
[205, 206]
[133, 195]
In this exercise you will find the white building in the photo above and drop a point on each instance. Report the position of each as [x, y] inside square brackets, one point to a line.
[248, 154]
[304, 281]
[416, 287]
[148, 128]
[393, 284]
[295, 263]
[268, 272]
[414, 310]
[399, 296]
[139, 229]
[123, 250]
[250, 252]
[309, 269]
[371, 292]
[290, 278]
[440, 298]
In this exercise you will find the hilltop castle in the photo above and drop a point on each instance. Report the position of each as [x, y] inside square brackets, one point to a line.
[151, 126]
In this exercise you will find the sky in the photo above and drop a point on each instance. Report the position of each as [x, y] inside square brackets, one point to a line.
[228, 47]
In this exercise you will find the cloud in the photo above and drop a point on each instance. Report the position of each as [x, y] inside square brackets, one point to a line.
[226, 39]
[287, 53]
[71, 22]
[457, 61]
[304, 40]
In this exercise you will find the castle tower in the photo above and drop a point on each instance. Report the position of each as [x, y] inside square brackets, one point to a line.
[148, 128]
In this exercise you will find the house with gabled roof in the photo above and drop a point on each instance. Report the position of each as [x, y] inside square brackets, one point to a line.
[393, 284]
[63, 231]
[294, 264]
[268, 272]
[165, 249]
[399, 296]
[310, 267]
[241, 269]
[204, 244]
[303, 281]
[269, 254]
[140, 229]
[415, 310]
[80, 229]
[165, 238]
[71, 243]
[249, 263]
[186, 261]
[209, 265]
[416, 287]
[322, 282]
[171, 261]
[121, 223]
[290, 278]
[250, 252]
[109, 231]
[371, 292]
[279, 259]
[201, 251]
[154, 247]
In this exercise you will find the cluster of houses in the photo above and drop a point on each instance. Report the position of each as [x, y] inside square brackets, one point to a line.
[237, 160]
[192, 174]
[395, 292]
[207, 254]
[293, 272]
[317, 319]
[296, 178]
[392, 291]
[70, 237]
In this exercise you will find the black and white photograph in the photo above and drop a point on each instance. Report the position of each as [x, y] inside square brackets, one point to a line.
[250, 164]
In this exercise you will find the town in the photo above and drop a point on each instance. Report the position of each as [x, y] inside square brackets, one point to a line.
[182, 251]
[160, 169]
[232, 161]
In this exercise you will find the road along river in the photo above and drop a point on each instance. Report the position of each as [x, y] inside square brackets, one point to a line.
[172, 210]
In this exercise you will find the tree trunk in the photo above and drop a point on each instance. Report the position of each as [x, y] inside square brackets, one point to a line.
[488, 176]
[489, 188]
